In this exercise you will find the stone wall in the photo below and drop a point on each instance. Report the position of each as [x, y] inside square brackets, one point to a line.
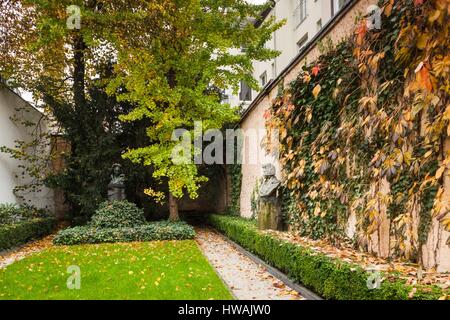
[60, 147]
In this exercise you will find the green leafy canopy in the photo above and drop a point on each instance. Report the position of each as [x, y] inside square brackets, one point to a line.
[175, 75]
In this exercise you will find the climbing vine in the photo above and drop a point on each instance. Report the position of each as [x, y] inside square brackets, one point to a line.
[236, 178]
[363, 132]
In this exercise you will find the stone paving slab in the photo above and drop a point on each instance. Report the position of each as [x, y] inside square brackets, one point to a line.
[246, 279]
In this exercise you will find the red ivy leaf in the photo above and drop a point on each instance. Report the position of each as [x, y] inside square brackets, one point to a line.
[423, 77]
[315, 70]
[418, 2]
[361, 33]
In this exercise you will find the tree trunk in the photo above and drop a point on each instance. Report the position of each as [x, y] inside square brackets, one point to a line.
[173, 208]
[79, 71]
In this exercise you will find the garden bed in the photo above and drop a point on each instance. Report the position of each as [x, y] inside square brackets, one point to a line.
[328, 276]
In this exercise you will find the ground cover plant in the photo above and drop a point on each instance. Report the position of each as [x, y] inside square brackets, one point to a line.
[123, 221]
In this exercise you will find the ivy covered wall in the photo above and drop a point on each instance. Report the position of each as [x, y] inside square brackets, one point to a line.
[364, 135]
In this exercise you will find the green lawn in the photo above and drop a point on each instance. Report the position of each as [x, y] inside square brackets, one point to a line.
[150, 270]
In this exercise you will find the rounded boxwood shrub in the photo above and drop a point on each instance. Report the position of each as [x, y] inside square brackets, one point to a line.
[117, 214]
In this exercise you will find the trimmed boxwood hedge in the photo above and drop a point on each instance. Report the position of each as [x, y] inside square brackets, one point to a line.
[162, 230]
[18, 233]
[328, 277]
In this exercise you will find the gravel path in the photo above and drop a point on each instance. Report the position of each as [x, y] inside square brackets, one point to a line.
[18, 253]
[246, 279]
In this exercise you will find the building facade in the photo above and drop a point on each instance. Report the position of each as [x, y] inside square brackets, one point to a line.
[15, 112]
[304, 20]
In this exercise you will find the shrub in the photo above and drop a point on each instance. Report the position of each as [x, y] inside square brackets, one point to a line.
[117, 214]
[329, 277]
[162, 230]
[13, 213]
[122, 221]
[20, 232]
[8, 213]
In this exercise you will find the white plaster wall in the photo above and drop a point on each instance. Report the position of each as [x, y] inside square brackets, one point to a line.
[251, 172]
[286, 38]
[10, 173]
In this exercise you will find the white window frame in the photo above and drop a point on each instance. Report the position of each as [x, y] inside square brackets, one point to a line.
[263, 79]
[338, 5]
[242, 95]
[302, 42]
[300, 12]
[319, 25]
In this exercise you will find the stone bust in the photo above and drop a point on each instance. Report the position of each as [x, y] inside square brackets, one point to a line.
[116, 187]
[117, 178]
[270, 183]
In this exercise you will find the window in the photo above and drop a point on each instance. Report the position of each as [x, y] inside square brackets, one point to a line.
[319, 25]
[300, 12]
[301, 43]
[263, 78]
[246, 92]
[224, 97]
[338, 4]
[274, 71]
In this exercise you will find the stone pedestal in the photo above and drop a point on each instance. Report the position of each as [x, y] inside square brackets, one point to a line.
[269, 217]
[116, 192]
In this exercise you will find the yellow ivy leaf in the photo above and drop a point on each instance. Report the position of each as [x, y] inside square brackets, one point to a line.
[439, 172]
[446, 224]
[434, 16]
[316, 90]
[422, 41]
[388, 8]
[317, 210]
[427, 154]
